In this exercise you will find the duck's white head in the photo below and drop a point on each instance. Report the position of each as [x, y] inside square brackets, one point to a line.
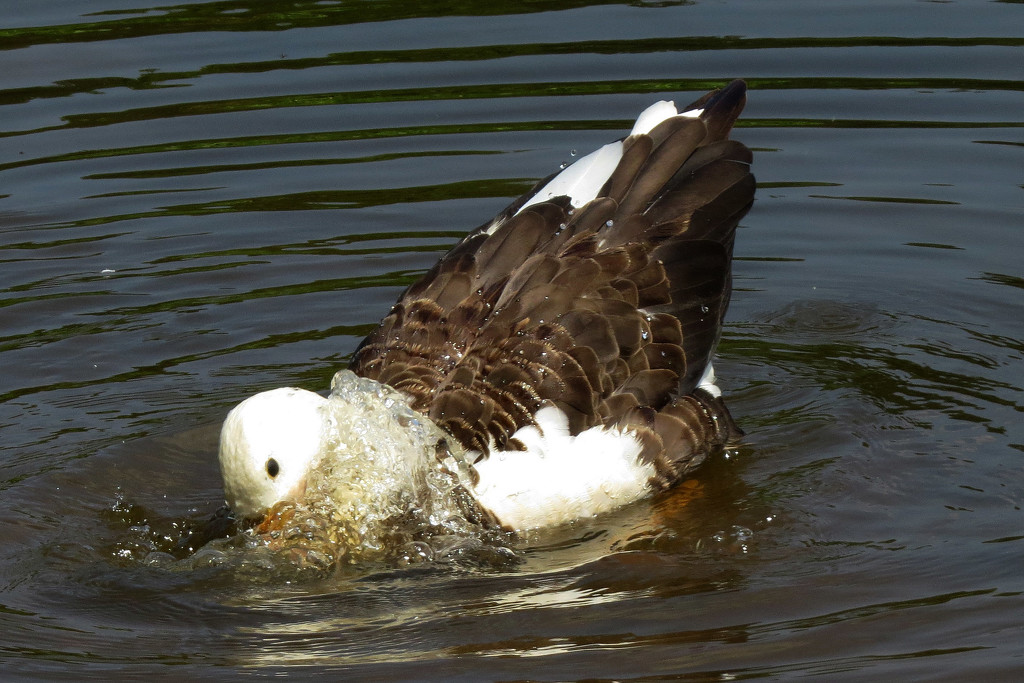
[362, 452]
[268, 445]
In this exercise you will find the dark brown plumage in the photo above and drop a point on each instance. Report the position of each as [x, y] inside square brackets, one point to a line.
[611, 311]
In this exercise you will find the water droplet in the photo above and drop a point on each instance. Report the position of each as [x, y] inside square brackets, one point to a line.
[609, 223]
[572, 152]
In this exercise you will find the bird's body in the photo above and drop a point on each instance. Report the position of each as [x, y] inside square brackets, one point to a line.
[555, 364]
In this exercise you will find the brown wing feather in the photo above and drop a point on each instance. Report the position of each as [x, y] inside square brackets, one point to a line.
[610, 311]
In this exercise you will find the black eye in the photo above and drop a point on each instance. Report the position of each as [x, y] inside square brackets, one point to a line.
[273, 468]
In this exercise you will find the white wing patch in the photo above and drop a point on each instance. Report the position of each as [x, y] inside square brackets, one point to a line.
[652, 116]
[560, 477]
[707, 381]
[584, 179]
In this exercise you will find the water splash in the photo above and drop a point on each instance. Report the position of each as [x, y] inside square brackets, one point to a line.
[391, 487]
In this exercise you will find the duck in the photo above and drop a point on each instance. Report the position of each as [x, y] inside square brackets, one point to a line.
[554, 365]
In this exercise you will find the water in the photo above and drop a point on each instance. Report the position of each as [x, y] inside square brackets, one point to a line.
[205, 200]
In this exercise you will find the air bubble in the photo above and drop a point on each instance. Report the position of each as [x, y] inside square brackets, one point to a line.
[416, 552]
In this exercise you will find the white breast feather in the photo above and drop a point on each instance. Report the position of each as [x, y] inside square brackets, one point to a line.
[560, 477]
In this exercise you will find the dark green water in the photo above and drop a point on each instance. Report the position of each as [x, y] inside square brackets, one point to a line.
[204, 200]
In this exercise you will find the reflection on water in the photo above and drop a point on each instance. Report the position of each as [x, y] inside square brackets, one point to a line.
[205, 200]
[878, 356]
